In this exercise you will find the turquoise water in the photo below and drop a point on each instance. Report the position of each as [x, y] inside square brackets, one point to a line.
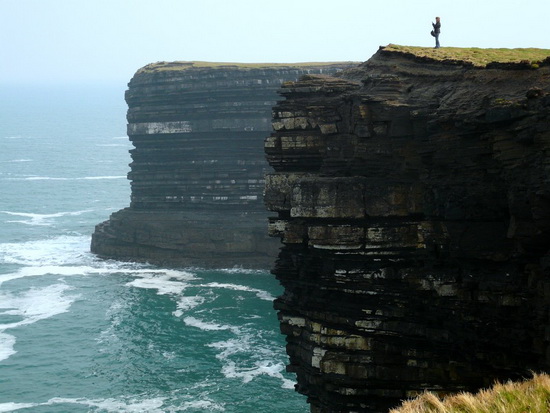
[80, 334]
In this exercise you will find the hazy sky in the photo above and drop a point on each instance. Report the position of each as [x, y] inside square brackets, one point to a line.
[108, 40]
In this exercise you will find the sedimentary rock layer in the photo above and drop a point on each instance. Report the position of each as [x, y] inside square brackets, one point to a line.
[413, 202]
[197, 171]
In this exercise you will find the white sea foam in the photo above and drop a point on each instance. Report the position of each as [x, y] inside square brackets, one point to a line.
[17, 160]
[209, 326]
[260, 368]
[29, 307]
[240, 270]
[166, 282]
[131, 405]
[203, 405]
[12, 407]
[259, 360]
[7, 343]
[70, 255]
[187, 303]
[109, 405]
[111, 144]
[102, 177]
[163, 285]
[114, 405]
[261, 294]
[54, 178]
[61, 250]
[42, 219]
[35, 304]
[52, 270]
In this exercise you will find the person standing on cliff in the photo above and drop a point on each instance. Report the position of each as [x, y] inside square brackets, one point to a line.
[437, 29]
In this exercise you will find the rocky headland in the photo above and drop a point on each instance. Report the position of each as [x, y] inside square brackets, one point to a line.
[197, 171]
[412, 198]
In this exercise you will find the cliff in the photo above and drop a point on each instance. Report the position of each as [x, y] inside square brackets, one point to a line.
[412, 198]
[197, 171]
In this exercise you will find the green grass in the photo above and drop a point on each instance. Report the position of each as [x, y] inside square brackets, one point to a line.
[530, 396]
[478, 57]
[185, 65]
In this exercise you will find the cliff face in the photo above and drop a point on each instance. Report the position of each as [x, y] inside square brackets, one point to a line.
[413, 203]
[197, 175]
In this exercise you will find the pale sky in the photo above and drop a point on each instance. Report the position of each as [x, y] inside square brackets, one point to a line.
[87, 41]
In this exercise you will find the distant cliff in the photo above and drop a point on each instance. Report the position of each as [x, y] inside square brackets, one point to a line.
[197, 171]
[412, 197]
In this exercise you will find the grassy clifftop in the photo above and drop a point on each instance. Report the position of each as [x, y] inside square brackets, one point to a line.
[185, 65]
[475, 56]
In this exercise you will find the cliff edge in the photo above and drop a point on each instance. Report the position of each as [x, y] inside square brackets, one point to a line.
[412, 198]
[197, 171]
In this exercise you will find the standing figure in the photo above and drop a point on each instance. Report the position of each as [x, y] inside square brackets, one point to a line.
[437, 27]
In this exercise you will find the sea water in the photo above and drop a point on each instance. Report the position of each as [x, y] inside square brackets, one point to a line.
[82, 334]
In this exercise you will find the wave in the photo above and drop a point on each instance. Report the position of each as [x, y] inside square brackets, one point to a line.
[70, 254]
[241, 270]
[163, 285]
[51, 178]
[29, 307]
[7, 344]
[259, 359]
[12, 407]
[165, 281]
[42, 219]
[52, 270]
[131, 405]
[93, 178]
[66, 256]
[112, 145]
[208, 326]
[203, 405]
[261, 368]
[62, 250]
[187, 303]
[261, 294]
[17, 160]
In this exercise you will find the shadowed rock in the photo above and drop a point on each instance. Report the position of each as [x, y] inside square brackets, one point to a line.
[412, 198]
[197, 171]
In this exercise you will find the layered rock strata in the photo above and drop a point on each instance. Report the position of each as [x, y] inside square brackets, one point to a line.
[197, 171]
[412, 197]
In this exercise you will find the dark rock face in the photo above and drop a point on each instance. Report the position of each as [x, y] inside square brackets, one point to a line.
[198, 165]
[413, 202]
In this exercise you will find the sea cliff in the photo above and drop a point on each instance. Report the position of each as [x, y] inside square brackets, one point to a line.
[412, 198]
[197, 171]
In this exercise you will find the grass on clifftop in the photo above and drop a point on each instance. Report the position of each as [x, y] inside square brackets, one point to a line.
[530, 396]
[184, 65]
[478, 57]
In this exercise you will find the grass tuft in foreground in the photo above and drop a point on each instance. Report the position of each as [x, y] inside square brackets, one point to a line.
[530, 396]
[476, 56]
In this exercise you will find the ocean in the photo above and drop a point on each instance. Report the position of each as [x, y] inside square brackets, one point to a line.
[82, 334]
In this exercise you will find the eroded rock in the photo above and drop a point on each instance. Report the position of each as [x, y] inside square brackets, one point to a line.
[412, 200]
[197, 171]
